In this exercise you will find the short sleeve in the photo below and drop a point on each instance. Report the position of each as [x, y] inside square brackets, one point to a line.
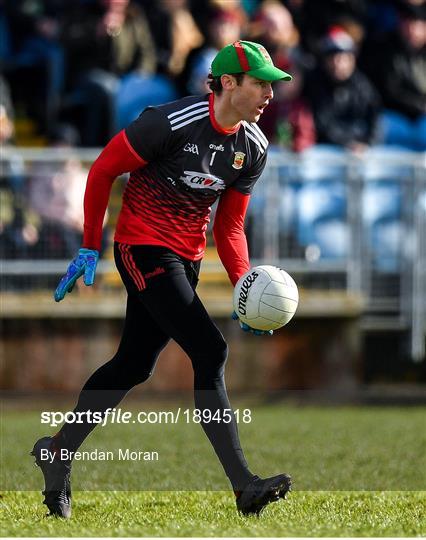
[150, 134]
[245, 183]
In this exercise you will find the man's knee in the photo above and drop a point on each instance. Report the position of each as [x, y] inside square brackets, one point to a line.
[212, 358]
[131, 369]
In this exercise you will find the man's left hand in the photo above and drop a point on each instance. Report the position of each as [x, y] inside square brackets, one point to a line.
[246, 328]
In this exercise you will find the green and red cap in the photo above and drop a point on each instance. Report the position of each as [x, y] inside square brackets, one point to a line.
[247, 57]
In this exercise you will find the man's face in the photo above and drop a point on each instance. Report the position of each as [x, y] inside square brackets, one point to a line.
[414, 32]
[340, 65]
[250, 98]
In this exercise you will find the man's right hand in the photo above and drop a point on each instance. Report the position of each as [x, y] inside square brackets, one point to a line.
[85, 263]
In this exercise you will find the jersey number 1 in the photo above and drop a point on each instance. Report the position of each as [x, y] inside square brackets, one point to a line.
[212, 159]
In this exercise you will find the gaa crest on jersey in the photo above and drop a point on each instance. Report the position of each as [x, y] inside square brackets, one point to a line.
[238, 160]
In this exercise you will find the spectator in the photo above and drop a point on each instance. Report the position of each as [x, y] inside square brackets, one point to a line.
[314, 18]
[110, 41]
[224, 27]
[175, 34]
[273, 25]
[400, 75]
[55, 194]
[12, 166]
[32, 57]
[288, 120]
[344, 103]
[186, 35]
[203, 10]
[6, 113]
[18, 233]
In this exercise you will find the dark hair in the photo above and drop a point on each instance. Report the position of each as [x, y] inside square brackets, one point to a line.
[215, 83]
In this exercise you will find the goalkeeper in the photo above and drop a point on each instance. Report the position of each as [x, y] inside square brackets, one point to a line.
[181, 156]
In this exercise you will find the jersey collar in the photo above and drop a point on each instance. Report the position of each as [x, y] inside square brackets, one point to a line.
[214, 122]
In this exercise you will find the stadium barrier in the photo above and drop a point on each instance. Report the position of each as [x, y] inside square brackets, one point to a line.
[334, 220]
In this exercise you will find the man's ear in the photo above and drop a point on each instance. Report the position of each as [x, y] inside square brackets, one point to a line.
[228, 82]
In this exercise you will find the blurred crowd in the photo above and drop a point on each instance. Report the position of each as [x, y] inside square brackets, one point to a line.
[359, 66]
[81, 70]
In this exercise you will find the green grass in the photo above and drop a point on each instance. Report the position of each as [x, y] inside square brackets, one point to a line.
[356, 472]
[213, 514]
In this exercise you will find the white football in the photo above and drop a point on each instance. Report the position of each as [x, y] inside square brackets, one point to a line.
[266, 297]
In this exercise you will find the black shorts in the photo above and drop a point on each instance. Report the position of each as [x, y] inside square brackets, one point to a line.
[141, 266]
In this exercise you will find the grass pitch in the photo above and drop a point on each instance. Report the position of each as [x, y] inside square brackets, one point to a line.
[213, 514]
[356, 472]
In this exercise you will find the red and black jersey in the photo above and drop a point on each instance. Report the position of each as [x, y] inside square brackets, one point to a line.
[181, 161]
[191, 161]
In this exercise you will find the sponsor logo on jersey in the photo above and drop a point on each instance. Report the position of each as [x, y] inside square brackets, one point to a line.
[197, 180]
[219, 148]
[191, 147]
[244, 290]
[238, 160]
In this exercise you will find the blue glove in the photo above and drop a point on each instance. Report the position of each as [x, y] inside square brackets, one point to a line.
[246, 328]
[85, 263]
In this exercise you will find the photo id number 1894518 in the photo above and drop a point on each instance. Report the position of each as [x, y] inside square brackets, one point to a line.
[206, 416]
